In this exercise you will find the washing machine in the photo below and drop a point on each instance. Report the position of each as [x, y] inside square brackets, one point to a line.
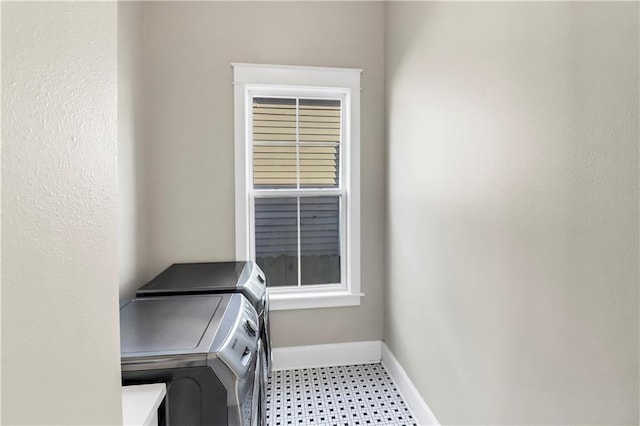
[243, 277]
[205, 348]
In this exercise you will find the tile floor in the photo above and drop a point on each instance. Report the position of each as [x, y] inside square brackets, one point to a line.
[350, 395]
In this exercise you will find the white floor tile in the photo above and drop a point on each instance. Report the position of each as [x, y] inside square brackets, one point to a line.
[351, 395]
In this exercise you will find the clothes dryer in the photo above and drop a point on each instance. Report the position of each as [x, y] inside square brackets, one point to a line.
[205, 348]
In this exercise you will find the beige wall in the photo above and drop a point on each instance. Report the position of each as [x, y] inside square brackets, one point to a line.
[60, 360]
[513, 209]
[188, 51]
[132, 229]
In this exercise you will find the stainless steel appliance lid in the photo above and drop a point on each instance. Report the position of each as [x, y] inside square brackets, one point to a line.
[192, 277]
[169, 324]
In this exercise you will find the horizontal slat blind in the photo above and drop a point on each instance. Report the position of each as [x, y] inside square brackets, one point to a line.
[296, 142]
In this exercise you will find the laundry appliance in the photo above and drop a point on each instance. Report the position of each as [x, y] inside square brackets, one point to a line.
[244, 277]
[205, 348]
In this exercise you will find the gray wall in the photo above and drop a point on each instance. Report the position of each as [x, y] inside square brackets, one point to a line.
[60, 360]
[132, 229]
[188, 106]
[512, 228]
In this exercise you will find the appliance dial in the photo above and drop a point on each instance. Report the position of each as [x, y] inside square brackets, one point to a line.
[249, 328]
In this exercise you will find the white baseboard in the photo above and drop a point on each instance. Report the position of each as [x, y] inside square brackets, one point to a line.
[327, 355]
[417, 405]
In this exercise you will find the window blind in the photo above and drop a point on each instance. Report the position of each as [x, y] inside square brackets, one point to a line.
[296, 142]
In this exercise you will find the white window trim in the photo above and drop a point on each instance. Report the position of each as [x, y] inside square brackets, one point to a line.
[248, 77]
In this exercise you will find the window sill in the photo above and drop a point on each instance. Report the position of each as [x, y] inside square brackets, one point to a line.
[311, 300]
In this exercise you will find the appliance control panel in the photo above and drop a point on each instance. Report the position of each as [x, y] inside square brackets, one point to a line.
[254, 280]
[238, 336]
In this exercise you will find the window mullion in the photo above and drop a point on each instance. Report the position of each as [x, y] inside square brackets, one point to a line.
[299, 249]
[302, 193]
[298, 187]
[297, 143]
[306, 192]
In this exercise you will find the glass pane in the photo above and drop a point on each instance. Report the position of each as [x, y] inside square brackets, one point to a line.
[276, 239]
[274, 137]
[274, 119]
[320, 240]
[296, 142]
[319, 120]
[319, 166]
[274, 166]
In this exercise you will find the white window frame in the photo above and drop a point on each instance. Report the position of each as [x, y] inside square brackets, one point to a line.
[275, 80]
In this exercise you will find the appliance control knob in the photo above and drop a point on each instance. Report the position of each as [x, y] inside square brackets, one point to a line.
[251, 331]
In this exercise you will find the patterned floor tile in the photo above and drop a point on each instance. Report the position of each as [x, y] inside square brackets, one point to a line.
[352, 395]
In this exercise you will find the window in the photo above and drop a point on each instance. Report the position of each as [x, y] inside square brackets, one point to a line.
[297, 181]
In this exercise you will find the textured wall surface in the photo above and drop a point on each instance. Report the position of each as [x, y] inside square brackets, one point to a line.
[189, 146]
[513, 209]
[132, 229]
[60, 362]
